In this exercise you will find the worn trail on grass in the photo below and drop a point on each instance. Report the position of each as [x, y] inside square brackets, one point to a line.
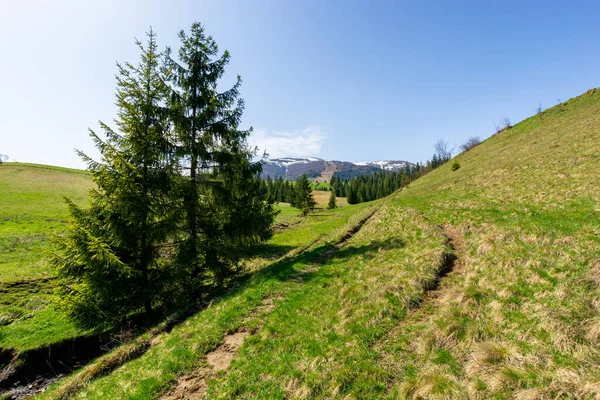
[194, 385]
[439, 291]
[330, 252]
[453, 264]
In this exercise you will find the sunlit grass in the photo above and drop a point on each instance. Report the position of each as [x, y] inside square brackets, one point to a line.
[522, 320]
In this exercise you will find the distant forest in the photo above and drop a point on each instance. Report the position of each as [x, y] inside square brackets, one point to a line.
[358, 189]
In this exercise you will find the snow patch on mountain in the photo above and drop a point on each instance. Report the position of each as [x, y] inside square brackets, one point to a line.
[293, 167]
[287, 161]
[388, 165]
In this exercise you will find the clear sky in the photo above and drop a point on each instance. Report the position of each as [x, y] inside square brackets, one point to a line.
[344, 80]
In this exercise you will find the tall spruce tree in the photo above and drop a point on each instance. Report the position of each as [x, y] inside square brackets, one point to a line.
[223, 209]
[110, 265]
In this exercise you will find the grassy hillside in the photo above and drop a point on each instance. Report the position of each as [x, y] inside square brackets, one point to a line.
[310, 319]
[32, 210]
[519, 317]
[155, 360]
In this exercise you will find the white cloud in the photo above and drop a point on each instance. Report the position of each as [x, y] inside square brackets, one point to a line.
[300, 143]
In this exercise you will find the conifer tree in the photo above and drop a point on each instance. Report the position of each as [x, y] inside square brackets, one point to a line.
[332, 200]
[110, 265]
[222, 209]
[303, 198]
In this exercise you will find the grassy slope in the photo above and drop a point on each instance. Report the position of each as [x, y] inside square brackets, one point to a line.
[318, 342]
[522, 320]
[32, 210]
[327, 315]
[318, 338]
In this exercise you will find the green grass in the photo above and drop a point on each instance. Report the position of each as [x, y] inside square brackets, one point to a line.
[45, 326]
[317, 339]
[320, 186]
[522, 320]
[317, 342]
[32, 211]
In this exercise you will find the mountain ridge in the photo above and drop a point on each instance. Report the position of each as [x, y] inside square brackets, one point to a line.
[322, 170]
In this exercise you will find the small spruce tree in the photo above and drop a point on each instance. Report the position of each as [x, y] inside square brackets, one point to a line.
[332, 200]
[303, 198]
[352, 194]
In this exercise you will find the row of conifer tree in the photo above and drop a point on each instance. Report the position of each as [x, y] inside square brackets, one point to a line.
[359, 189]
[375, 186]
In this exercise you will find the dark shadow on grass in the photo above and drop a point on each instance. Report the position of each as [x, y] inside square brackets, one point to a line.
[45, 368]
[340, 252]
[36, 369]
[370, 250]
[269, 251]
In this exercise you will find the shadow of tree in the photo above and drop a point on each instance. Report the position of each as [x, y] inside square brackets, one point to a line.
[283, 270]
[319, 256]
[370, 250]
[269, 251]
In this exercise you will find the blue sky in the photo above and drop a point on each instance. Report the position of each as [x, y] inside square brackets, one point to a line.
[344, 80]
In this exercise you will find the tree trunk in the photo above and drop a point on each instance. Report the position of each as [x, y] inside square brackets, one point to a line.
[193, 197]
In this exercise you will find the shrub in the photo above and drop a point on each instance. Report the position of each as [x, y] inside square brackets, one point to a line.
[469, 144]
[455, 166]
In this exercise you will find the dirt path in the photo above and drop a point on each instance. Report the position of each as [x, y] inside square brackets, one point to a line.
[454, 264]
[330, 252]
[194, 385]
[435, 295]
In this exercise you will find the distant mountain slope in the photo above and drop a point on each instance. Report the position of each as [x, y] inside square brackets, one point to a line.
[388, 165]
[292, 168]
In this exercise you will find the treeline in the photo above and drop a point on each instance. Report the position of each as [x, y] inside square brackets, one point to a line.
[277, 190]
[298, 193]
[358, 189]
[369, 187]
[382, 183]
[175, 203]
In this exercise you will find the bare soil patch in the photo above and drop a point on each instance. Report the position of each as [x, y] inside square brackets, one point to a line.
[221, 358]
[326, 175]
[193, 386]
